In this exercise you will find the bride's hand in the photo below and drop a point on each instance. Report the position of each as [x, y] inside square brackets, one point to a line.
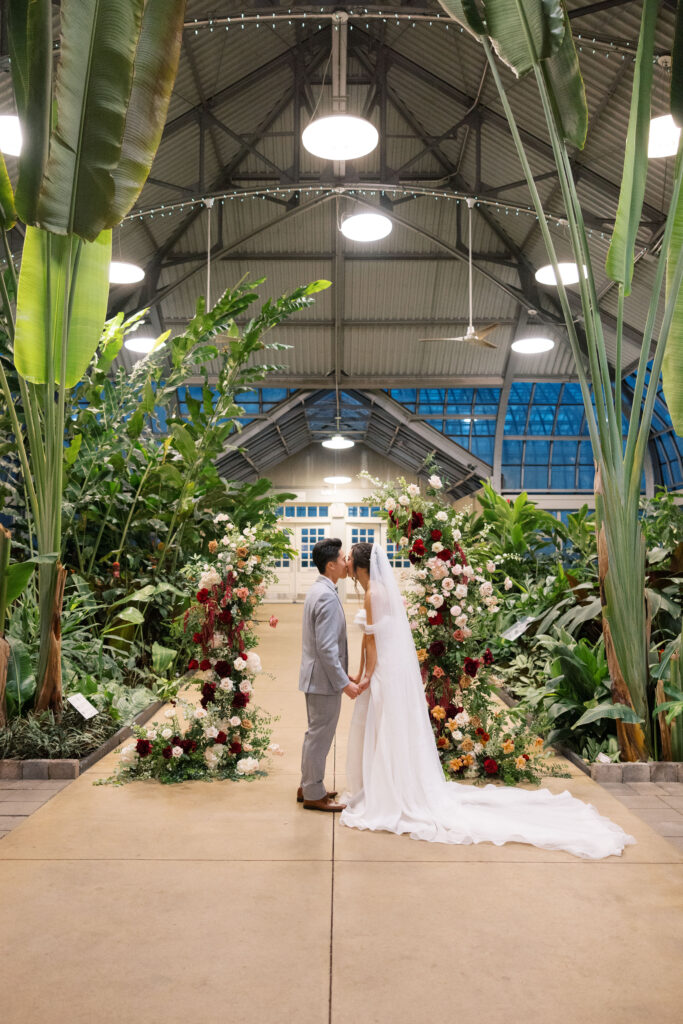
[364, 684]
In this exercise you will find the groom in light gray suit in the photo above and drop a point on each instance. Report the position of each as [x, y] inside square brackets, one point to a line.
[324, 672]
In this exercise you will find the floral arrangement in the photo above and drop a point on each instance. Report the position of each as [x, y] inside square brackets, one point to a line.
[223, 735]
[452, 601]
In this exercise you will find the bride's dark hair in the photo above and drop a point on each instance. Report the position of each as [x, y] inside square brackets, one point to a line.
[360, 555]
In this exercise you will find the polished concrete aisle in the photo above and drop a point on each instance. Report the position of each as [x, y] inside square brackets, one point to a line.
[228, 902]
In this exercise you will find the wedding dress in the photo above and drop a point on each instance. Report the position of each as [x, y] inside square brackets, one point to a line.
[395, 781]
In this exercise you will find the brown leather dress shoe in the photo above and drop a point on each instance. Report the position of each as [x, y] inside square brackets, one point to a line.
[300, 795]
[323, 805]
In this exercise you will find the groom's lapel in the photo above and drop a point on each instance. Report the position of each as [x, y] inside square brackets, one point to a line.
[328, 583]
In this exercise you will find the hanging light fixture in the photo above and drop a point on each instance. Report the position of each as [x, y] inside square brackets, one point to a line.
[569, 273]
[339, 136]
[530, 346]
[664, 137]
[141, 344]
[124, 273]
[366, 227]
[338, 441]
[10, 135]
[337, 480]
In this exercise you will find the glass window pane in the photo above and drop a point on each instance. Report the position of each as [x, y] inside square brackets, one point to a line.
[512, 478]
[536, 478]
[537, 453]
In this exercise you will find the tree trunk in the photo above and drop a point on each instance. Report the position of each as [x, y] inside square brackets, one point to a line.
[4, 661]
[49, 693]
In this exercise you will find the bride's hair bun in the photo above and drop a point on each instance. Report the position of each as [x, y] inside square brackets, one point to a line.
[360, 555]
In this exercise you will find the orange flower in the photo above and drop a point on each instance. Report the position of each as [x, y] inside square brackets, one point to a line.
[539, 742]
[213, 547]
[467, 744]
[455, 765]
[443, 743]
[438, 672]
[520, 763]
[452, 724]
[422, 654]
[465, 681]
[475, 721]
[242, 551]
[247, 723]
[508, 746]
[422, 609]
[468, 760]
[438, 713]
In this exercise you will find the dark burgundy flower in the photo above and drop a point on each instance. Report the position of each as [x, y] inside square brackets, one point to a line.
[436, 535]
[452, 710]
[167, 753]
[225, 617]
[240, 700]
[471, 666]
[436, 648]
[488, 657]
[143, 747]
[192, 665]
[203, 595]
[204, 665]
[236, 747]
[436, 620]
[197, 638]
[483, 735]
[417, 520]
[222, 737]
[525, 756]
[418, 548]
[445, 555]
[222, 668]
[394, 518]
[490, 766]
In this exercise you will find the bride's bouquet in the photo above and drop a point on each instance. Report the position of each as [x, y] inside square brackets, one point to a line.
[222, 734]
[451, 601]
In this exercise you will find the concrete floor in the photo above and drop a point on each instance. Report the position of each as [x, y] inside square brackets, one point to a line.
[228, 901]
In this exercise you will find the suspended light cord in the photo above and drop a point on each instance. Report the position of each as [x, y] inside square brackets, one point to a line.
[208, 203]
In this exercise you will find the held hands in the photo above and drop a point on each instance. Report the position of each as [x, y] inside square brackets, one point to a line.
[352, 690]
[364, 684]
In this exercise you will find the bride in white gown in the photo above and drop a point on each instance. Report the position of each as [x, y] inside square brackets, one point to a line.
[395, 781]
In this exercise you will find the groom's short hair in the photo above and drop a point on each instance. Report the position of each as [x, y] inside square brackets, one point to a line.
[326, 550]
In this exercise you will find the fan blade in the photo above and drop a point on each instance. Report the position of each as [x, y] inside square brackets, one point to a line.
[482, 332]
[461, 338]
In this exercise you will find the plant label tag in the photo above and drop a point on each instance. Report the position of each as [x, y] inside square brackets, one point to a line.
[82, 705]
[518, 628]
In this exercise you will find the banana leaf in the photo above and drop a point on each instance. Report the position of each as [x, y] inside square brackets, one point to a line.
[8, 214]
[619, 265]
[46, 259]
[672, 376]
[620, 711]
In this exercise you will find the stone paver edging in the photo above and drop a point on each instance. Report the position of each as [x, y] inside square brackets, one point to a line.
[638, 771]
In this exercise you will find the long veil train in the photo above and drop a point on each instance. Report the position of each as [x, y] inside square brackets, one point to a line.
[394, 775]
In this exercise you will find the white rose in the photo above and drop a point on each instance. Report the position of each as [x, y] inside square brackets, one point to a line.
[169, 714]
[457, 570]
[245, 686]
[456, 535]
[448, 584]
[413, 490]
[436, 600]
[211, 732]
[435, 482]
[247, 746]
[200, 713]
[211, 758]
[240, 664]
[462, 718]
[221, 518]
[404, 500]
[442, 517]
[209, 579]
[225, 541]
[253, 662]
[246, 765]
[151, 734]
[177, 751]
[486, 589]
[466, 631]
[166, 733]
[437, 546]
[490, 566]
[389, 504]
[456, 610]
[235, 721]
[226, 685]
[129, 754]
[457, 735]
[489, 600]
[468, 571]
[461, 620]
[478, 747]
[461, 590]
[276, 749]
[404, 542]
[508, 583]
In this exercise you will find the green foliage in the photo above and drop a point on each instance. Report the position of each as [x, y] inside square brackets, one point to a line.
[516, 527]
[44, 736]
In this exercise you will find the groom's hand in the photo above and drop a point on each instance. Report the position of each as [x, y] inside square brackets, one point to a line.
[352, 690]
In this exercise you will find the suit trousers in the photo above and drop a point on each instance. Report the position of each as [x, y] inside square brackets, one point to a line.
[323, 714]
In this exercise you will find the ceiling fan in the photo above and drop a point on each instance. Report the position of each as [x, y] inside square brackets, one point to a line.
[471, 336]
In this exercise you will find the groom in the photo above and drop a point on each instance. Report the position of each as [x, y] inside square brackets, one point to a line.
[323, 675]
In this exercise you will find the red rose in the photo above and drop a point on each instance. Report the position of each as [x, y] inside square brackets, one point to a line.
[240, 700]
[436, 648]
[490, 766]
[236, 747]
[436, 620]
[204, 665]
[197, 638]
[222, 737]
[143, 747]
[445, 555]
[488, 657]
[418, 548]
[417, 520]
[525, 756]
[225, 617]
[167, 753]
[203, 595]
[436, 535]
[192, 665]
[222, 668]
[471, 667]
[485, 737]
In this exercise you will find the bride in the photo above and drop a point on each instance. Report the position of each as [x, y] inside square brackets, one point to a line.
[394, 777]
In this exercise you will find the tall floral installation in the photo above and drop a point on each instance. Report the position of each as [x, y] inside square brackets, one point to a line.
[451, 602]
[221, 733]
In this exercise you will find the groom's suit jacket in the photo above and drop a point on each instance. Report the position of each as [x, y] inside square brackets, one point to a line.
[325, 655]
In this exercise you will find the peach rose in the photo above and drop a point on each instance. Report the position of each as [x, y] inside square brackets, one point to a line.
[438, 713]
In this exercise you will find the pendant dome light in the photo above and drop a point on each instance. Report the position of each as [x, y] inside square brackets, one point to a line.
[10, 135]
[125, 273]
[366, 226]
[339, 136]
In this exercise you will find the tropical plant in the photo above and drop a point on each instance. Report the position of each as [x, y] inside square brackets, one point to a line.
[535, 36]
[92, 128]
[516, 527]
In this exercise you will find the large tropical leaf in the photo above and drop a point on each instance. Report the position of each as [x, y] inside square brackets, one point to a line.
[45, 266]
[30, 41]
[620, 711]
[673, 354]
[567, 93]
[156, 63]
[8, 214]
[677, 69]
[18, 574]
[619, 265]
